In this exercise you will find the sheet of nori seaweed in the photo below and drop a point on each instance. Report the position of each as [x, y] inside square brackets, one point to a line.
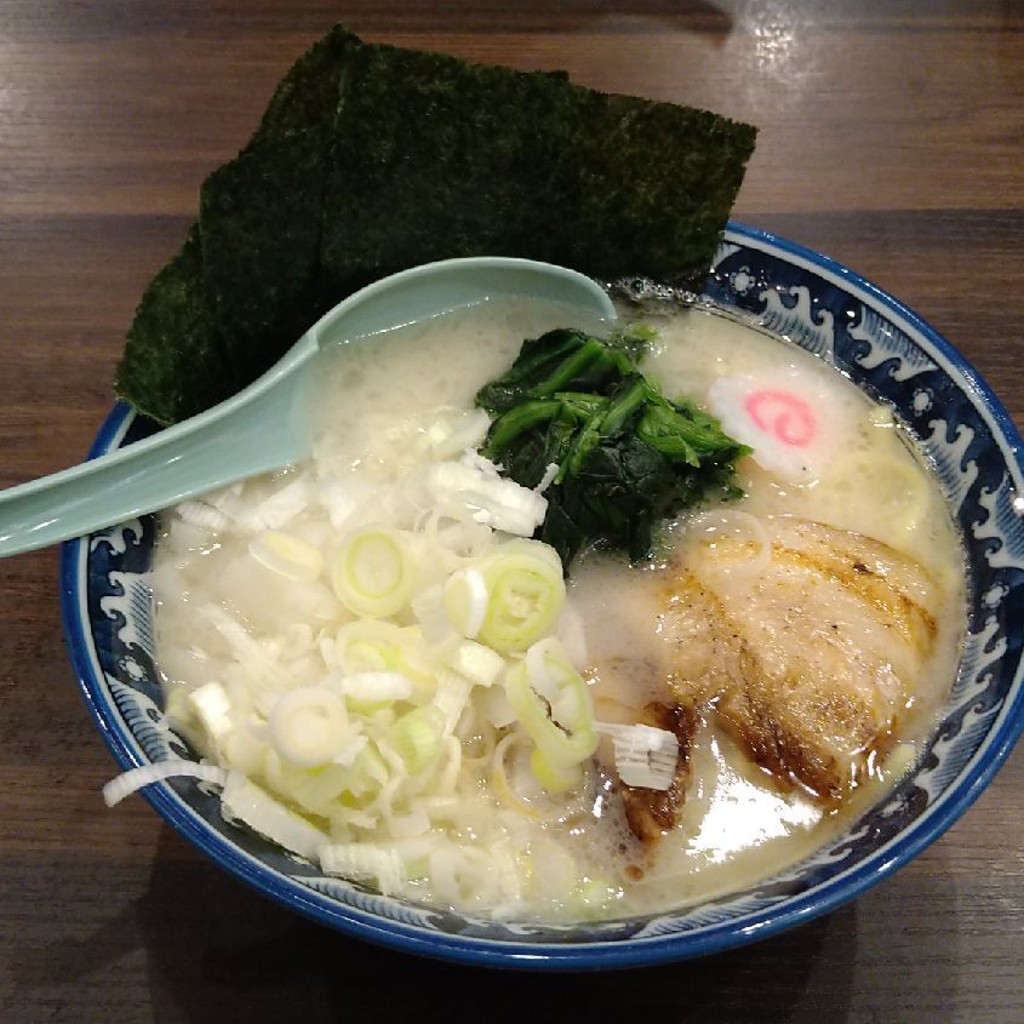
[373, 158]
[655, 186]
[174, 363]
[178, 360]
[260, 215]
[436, 158]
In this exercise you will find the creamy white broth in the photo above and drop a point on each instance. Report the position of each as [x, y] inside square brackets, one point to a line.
[869, 464]
[737, 824]
[376, 391]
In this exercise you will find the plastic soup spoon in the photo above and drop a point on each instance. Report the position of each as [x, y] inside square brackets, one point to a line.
[270, 423]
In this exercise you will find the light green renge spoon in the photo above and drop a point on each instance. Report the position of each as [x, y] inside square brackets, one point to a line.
[270, 423]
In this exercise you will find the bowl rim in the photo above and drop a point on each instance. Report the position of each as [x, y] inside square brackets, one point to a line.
[836, 890]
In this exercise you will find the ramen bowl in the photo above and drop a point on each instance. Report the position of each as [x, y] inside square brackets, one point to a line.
[974, 449]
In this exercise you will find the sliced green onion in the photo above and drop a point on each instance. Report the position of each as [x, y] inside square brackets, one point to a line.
[369, 772]
[564, 741]
[493, 704]
[418, 736]
[452, 433]
[374, 572]
[287, 556]
[526, 593]
[313, 791]
[372, 645]
[308, 725]
[553, 676]
[553, 777]
[409, 826]
[242, 751]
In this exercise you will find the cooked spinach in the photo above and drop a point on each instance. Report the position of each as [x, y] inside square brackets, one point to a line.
[626, 455]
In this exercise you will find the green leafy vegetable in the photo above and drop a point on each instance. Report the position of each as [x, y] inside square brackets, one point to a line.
[373, 158]
[627, 456]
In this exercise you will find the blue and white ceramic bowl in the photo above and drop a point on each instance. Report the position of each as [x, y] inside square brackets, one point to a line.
[886, 350]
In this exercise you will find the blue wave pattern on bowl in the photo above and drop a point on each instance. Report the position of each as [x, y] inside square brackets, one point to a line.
[888, 352]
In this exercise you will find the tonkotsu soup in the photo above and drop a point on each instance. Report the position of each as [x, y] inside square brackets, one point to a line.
[404, 688]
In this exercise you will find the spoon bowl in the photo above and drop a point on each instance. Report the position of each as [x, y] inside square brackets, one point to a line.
[269, 424]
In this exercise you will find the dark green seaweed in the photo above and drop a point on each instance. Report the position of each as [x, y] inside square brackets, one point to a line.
[174, 363]
[261, 214]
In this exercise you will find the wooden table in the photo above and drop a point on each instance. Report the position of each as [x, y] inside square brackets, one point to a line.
[892, 138]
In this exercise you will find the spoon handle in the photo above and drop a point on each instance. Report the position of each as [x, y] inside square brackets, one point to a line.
[217, 447]
[269, 424]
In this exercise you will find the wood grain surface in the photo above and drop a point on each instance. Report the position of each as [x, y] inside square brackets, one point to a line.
[892, 138]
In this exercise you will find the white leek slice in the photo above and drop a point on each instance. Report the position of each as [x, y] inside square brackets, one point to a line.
[510, 507]
[572, 634]
[417, 737]
[252, 657]
[282, 506]
[340, 499]
[428, 608]
[242, 800]
[451, 697]
[364, 862]
[309, 791]
[554, 677]
[410, 826]
[287, 556]
[308, 725]
[212, 706]
[465, 600]
[374, 572]
[199, 513]
[451, 434]
[369, 689]
[526, 594]
[135, 778]
[493, 704]
[244, 751]
[644, 756]
[475, 460]
[478, 663]
[492, 500]
[350, 748]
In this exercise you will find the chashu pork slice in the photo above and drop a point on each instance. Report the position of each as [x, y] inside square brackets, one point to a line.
[809, 643]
